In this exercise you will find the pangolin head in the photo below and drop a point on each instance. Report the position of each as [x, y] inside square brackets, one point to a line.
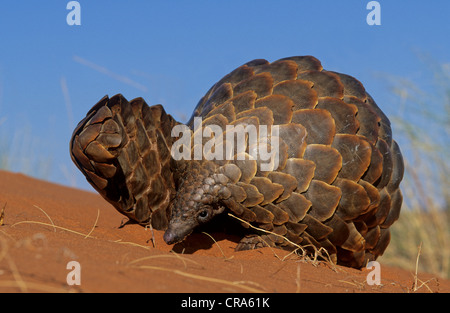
[197, 201]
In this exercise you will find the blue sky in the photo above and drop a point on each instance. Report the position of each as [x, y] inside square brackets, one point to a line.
[171, 52]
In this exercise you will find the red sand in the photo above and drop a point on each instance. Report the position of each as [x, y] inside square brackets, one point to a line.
[34, 254]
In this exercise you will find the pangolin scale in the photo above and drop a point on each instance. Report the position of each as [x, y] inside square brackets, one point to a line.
[335, 183]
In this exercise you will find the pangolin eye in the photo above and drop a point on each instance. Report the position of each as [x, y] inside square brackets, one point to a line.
[203, 214]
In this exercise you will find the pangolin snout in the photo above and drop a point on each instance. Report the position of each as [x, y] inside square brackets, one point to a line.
[176, 233]
[170, 237]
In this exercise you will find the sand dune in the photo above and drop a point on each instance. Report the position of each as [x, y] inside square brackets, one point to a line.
[46, 226]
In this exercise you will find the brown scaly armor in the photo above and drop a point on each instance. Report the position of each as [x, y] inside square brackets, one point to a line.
[335, 183]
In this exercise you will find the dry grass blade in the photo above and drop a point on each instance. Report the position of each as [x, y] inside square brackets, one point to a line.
[238, 284]
[265, 231]
[15, 271]
[47, 224]
[6, 234]
[417, 267]
[58, 227]
[273, 251]
[51, 221]
[215, 242]
[131, 244]
[248, 282]
[31, 286]
[18, 278]
[416, 285]
[149, 226]
[359, 285]
[184, 260]
[95, 224]
[290, 253]
[4, 250]
[425, 283]
[317, 252]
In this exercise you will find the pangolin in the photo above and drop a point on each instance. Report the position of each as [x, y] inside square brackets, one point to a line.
[332, 179]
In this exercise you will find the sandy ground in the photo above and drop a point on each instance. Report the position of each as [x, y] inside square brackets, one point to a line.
[45, 226]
